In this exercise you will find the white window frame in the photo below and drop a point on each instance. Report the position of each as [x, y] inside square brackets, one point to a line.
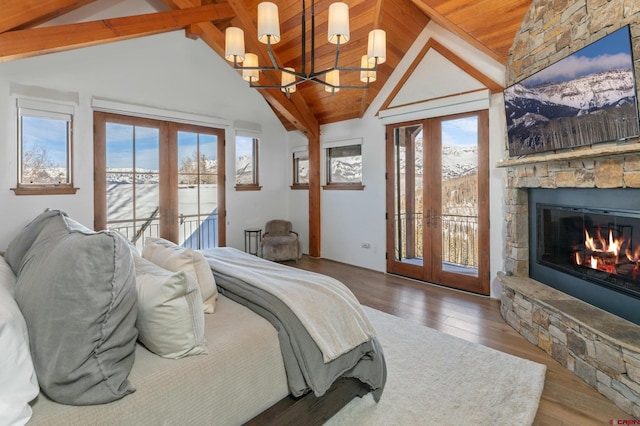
[47, 110]
[255, 184]
[327, 165]
[301, 153]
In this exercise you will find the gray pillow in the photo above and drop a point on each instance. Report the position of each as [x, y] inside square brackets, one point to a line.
[77, 293]
[19, 246]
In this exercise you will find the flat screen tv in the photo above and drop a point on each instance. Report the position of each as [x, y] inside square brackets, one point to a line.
[586, 98]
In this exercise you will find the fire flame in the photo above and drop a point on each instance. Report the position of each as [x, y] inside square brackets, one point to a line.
[604, 254]
[613, 246]
[633, 257]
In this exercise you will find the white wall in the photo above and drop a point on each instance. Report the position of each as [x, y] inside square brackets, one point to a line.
[350, 218]
[167, 71]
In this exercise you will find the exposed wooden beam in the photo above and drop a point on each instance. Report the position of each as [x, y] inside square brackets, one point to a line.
[38, 41]
[315, 231]
[445, 22]
[24, 13]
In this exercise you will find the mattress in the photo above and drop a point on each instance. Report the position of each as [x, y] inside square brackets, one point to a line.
[241, 376]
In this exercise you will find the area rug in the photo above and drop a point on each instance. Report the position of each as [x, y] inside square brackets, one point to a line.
[438, 379]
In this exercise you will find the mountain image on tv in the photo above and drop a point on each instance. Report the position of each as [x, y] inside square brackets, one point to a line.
[583, 99]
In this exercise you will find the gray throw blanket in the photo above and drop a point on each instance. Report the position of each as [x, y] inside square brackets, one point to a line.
[307, 368]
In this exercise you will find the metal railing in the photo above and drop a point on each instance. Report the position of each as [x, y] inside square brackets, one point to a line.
[459, 238]
[193, 232]
[199, 234]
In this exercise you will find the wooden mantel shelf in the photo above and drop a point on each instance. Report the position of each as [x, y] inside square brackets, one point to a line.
[631, 146]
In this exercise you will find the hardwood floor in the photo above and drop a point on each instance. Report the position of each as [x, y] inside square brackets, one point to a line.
[566, 400]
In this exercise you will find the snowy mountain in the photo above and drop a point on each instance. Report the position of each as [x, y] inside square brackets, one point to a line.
[584, 95]
[456, 160]
[459, 161]
[531, 111]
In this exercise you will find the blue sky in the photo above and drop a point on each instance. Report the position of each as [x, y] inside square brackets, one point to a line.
[244, 146]
[460, 132]
[610, 52]
[48, 133]
[120, 146]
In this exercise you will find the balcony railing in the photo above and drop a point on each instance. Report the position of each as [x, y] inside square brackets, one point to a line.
[459, 238]
[193, 232]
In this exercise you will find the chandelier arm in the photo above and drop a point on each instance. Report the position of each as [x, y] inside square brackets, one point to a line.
[270, 52]
[313, 79]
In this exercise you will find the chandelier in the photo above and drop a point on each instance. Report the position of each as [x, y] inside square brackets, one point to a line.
[338, 34]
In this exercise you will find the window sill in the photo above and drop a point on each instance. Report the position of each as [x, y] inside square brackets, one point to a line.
[44, 190]
[300, 186]
[344, 186]
[248, 187]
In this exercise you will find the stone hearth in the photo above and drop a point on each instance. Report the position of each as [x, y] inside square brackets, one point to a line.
[600, 348]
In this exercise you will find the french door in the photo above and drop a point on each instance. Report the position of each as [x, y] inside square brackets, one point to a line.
[438, 200]
[159, 179]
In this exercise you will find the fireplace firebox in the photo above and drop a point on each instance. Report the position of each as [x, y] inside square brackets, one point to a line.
[586, 242]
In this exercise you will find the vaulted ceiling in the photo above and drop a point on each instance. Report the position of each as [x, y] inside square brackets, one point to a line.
[489, 25]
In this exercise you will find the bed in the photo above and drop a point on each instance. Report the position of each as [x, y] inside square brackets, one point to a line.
[244, 377]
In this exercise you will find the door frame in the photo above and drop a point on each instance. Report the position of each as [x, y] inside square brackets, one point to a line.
[168, 157]
[429, 273]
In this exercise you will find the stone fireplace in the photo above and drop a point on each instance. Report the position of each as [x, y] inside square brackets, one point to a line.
[599, 346]
[586, 242]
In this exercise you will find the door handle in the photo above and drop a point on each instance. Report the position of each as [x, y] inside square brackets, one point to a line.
[435, 218]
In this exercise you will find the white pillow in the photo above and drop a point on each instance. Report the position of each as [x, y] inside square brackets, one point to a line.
[18, 381]
[170, 317]
[175, 258]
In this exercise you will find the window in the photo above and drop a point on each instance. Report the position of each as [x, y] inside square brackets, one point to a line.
[344, 167]
[44, 148]
[300, 170]
[246, 163]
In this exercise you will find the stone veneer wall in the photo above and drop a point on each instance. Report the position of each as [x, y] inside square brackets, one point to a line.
[551, 30]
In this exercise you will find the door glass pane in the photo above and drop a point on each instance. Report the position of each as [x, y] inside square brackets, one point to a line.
[133, 171]
[408, 202]
[459, 210]
[119, 147]
[147, 149]
[197, 189]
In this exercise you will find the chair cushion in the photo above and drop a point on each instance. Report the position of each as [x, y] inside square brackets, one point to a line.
[76, 290]
[278, 227]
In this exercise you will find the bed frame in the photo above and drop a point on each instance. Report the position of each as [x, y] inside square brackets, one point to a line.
[309, 409]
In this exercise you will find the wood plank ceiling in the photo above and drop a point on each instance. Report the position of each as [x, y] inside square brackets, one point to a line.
[489, 25]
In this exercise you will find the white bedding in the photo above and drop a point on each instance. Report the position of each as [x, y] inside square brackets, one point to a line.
[331, 314]
[242, 375]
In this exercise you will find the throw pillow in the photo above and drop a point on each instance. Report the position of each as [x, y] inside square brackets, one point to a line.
[78, 296]
[171, 256]
[170, 317]
[18, 382]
